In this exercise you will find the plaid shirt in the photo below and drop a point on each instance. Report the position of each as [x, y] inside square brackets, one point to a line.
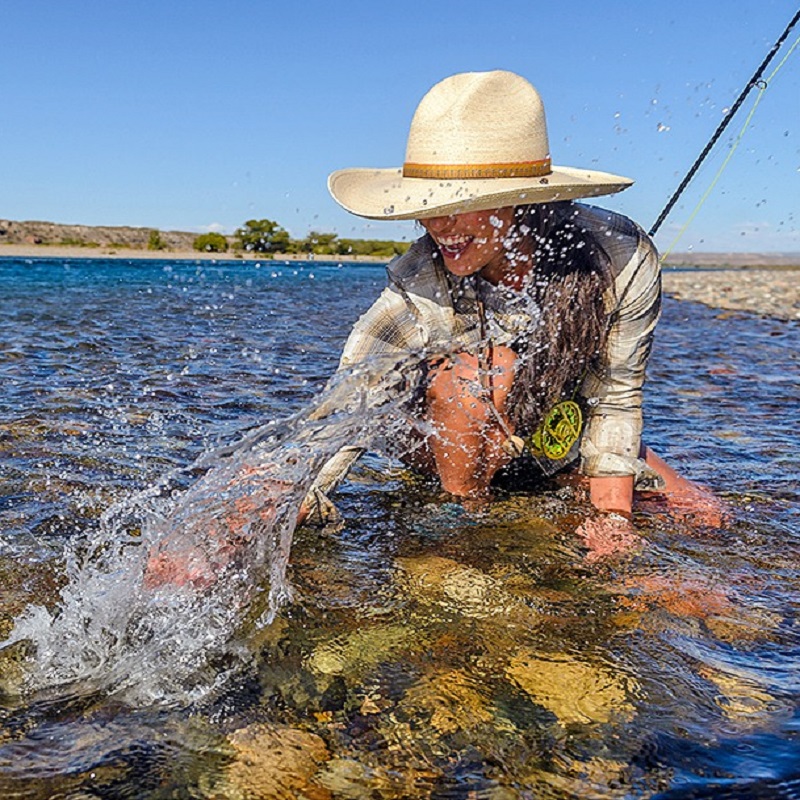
[426, 310]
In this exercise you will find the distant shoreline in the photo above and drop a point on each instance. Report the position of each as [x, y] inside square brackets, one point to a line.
[129, 253]
[767, 285]
[686, 260]
[734, 260]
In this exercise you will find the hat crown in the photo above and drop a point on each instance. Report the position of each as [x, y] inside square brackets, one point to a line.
[479, 118]
[478, 141]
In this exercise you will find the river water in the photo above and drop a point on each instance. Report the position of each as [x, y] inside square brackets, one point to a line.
[421, 651]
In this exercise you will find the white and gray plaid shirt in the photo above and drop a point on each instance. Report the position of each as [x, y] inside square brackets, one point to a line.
[426, 310]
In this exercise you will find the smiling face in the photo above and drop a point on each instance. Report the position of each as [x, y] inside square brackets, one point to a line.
[473, 242]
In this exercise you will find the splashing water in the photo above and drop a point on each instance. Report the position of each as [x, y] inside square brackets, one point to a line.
[155, 598]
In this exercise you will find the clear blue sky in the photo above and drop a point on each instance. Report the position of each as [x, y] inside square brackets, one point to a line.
[201, 115]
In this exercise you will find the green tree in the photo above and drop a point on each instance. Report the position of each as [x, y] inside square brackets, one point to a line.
[211, 243]
[155, 242]
[321, 244]
[262, 236]
[371, 247]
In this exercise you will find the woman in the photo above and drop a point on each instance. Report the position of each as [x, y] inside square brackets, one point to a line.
[533, 315]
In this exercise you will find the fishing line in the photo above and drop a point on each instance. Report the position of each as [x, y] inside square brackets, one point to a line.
[762, 87]
[756, 81]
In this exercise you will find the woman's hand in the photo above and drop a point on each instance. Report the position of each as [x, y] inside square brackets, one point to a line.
[608, 535]
[693, 504]
[189, 566]
[218, 534]
[687, 500]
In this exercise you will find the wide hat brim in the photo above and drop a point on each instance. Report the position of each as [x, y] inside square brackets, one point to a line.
[387, 194]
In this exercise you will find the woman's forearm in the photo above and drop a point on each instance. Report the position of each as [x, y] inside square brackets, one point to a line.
[673, 481]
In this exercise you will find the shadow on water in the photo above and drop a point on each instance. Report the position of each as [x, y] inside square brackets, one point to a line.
[423, 651]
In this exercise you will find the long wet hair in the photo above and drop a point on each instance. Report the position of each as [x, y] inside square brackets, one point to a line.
[570, 275]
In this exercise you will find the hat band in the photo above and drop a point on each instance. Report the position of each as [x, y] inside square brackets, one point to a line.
[511, 169]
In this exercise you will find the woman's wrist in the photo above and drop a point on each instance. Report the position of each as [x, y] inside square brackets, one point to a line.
[612, 493]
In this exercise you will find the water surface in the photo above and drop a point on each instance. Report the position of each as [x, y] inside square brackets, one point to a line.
[426, 651]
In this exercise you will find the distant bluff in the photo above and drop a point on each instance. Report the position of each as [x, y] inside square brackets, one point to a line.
[52, 233]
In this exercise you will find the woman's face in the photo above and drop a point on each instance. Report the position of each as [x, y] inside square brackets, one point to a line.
[473, 242]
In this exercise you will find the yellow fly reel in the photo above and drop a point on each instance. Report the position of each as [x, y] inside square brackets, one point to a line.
[560, 429]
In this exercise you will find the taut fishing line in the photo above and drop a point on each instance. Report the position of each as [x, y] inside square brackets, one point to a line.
[756, 81]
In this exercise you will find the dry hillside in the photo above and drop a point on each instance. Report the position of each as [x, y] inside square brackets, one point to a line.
[51, 233]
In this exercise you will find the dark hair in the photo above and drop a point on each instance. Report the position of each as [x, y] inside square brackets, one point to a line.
[570, 275]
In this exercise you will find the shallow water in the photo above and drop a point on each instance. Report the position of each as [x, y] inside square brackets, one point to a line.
[427, 651]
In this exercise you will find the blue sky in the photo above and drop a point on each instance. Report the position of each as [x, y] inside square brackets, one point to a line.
[198, 116]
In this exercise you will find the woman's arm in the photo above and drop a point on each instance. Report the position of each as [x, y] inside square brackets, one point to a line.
[612, 533]
[611, 441]
[687, 499]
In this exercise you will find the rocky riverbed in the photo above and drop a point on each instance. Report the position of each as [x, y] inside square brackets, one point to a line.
[766, 292]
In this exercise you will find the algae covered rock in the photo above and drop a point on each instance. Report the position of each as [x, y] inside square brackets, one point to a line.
[273, 763]
[354, 652]
[575, 691]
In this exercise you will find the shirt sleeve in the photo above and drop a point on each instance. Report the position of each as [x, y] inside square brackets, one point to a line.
[611, 442]
[380, 341]
[389, 327]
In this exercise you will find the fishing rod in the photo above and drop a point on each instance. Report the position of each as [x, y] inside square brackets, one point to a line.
[754, 81]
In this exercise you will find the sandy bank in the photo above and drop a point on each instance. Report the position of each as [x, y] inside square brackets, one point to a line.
[58, 251]
[767, 292]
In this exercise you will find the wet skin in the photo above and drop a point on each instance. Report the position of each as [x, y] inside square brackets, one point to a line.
[474, 242]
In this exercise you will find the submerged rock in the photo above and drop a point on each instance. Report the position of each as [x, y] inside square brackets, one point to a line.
[350, 779]
[354, 652]
[742, 701]
[595, 779]
[13, 658]
[274, 763]
[575, 691]
[452, 699]
[462, 589]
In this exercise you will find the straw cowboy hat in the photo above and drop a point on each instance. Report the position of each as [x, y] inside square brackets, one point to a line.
[478, 141]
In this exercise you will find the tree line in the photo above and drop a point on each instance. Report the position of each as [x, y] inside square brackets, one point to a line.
[268, 237]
